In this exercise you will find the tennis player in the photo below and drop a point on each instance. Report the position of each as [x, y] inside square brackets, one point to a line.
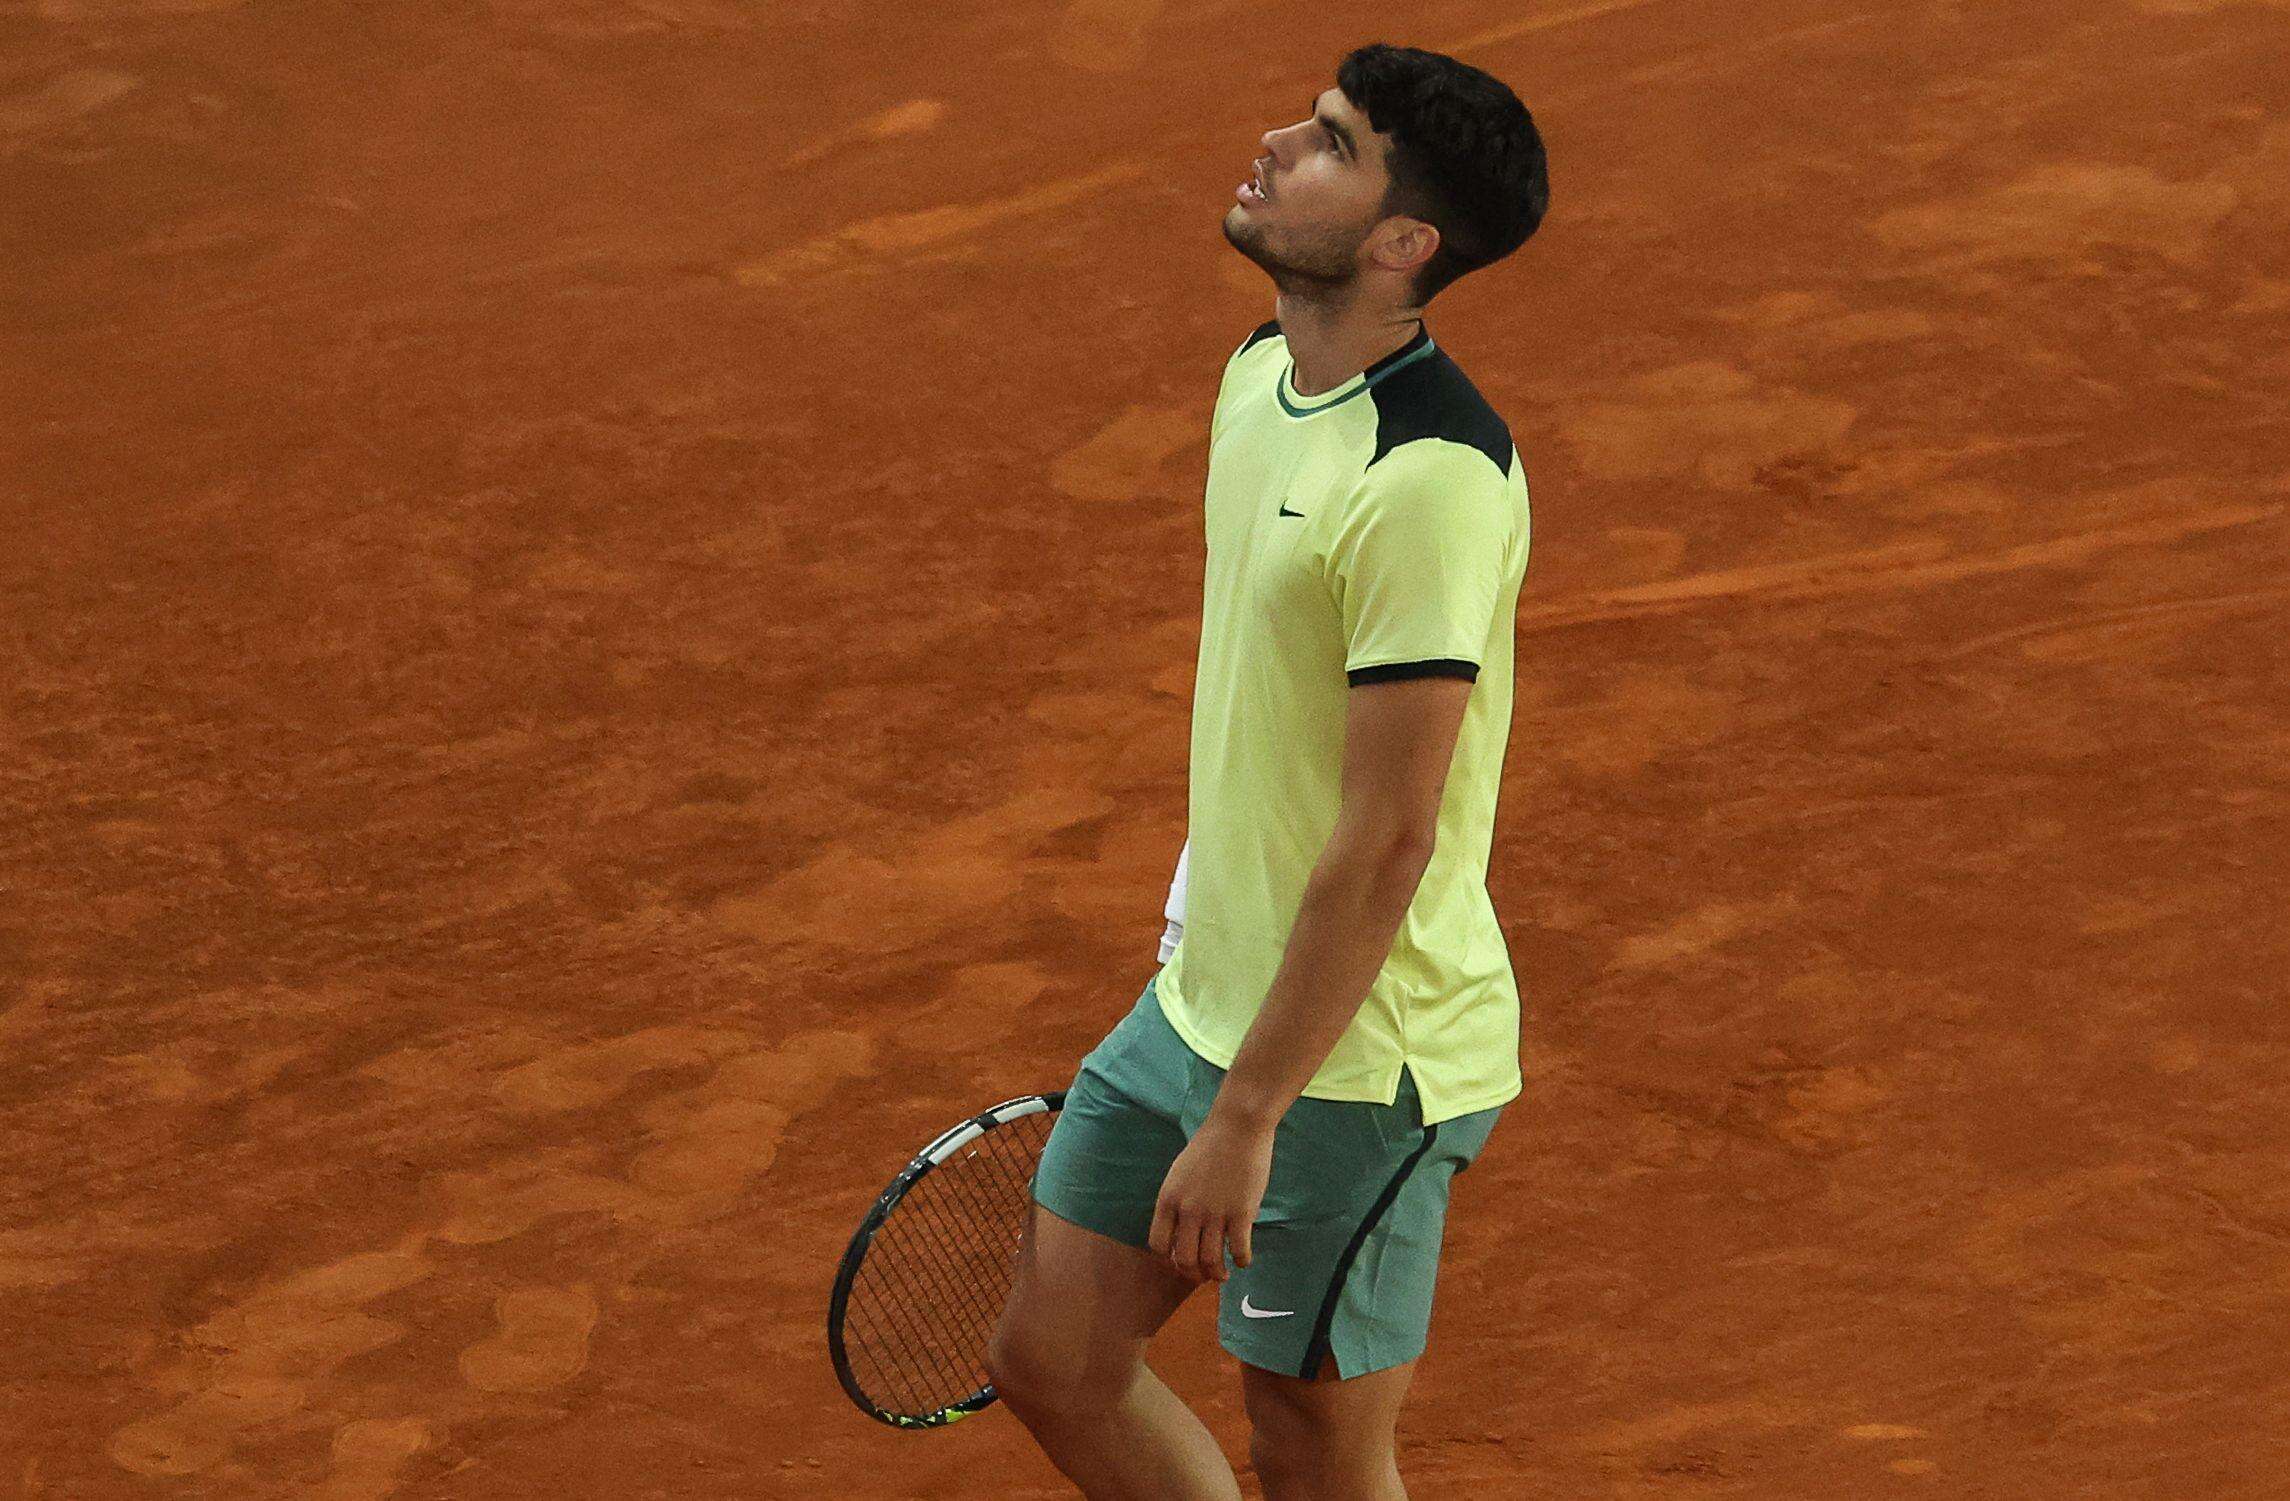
[1335, 1027]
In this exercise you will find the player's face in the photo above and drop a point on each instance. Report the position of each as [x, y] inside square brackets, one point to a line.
[1313, 197]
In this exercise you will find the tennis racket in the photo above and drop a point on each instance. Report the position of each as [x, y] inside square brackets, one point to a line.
[922, 1285]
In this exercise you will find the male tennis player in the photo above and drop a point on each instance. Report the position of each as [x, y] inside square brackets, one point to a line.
[1337, 1026]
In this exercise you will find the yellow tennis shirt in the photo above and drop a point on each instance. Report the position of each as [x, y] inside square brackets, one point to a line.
[1378, 530]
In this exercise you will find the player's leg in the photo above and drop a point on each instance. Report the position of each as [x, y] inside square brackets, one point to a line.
[1068, 1353]
[1069, 1360]
[1326, 1439]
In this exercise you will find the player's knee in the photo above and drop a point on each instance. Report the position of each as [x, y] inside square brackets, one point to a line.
[1013, 1366]
[1303, 1448]
[1282, 1467]
[1324, 1467]
[1035, 1372]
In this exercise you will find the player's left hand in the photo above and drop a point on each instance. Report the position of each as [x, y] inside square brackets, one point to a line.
[1210, 1197]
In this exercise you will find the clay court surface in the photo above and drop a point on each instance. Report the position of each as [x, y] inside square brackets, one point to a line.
[600, 611]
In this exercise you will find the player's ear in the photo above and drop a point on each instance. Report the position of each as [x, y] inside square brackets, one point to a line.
[1412, 242]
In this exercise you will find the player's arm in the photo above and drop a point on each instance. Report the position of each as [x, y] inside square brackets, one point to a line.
[1399, 741]
[1399, 736]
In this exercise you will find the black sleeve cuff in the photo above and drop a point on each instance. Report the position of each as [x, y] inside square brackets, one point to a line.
[1437, 667]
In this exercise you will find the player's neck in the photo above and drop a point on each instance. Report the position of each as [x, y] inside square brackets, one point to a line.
[1331, 342]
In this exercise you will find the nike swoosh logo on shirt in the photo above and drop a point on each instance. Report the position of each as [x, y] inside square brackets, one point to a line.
[1287, 512]
[1250, 1310]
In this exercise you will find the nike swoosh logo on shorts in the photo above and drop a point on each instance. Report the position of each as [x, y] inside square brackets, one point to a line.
[1287, 512]
[1250, 1310]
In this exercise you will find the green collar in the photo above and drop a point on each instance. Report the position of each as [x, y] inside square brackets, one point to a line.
[1399, 359]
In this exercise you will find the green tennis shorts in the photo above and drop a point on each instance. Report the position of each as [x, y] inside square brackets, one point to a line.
[1346, 1245]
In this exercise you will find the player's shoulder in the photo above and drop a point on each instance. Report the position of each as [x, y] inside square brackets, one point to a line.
[1263, 333]
[1256, 363]
[1433, 398]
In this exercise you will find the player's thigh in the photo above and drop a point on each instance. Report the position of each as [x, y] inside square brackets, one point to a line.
[1088, 1294]
[1081, 1310]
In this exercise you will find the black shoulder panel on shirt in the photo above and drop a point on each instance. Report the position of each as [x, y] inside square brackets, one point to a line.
[1433, 398]
[1263, 332]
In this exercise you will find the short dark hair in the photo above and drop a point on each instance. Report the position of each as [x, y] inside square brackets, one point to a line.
[1464, 154]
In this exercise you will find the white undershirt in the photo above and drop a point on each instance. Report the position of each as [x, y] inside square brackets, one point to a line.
[1175, 910]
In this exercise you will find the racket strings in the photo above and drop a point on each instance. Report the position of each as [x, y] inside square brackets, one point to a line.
[931, 1286]
[933, 1304]
[925, 1312]
[919, 1312]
